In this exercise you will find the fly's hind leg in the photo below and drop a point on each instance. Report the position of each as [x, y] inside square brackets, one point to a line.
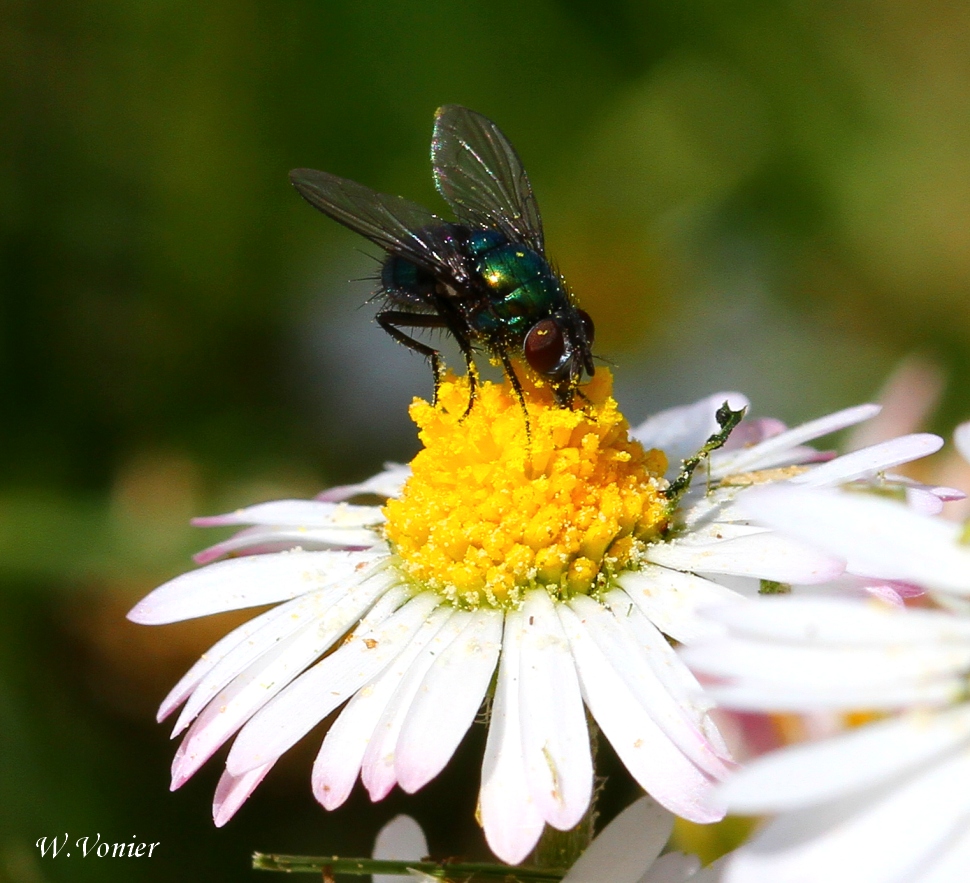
[392, 321]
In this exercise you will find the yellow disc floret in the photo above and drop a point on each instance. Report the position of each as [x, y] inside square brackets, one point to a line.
[494, 507]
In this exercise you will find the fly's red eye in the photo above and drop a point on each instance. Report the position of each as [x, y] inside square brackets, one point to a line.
[545, 347]
[588, 328]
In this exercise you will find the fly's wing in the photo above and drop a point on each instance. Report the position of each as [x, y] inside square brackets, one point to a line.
[395, 224]
[481, 176]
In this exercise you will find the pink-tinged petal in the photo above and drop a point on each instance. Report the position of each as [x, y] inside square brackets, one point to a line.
[771, 452]
[816, 772]
[262, 680]
[626, 847]
[961, 438]
[401, 839]
[680, 432]
[234, 705]
[447, 701]
[510, 819]
[669, 669]
[385, 484]
[887, 834]
[291, 617]
[670, 599]
[298, 513]
[340, 757]
[868, 461]
[330, 683]
[884, 592]
[379, 770]
[924, 502]
[263, 540]
[764, 555]
[250, 582]
[191, 679]
[555, 739]
[233, 791]
[879, 537]
[629, 663]
[652, 759]
[751, 432]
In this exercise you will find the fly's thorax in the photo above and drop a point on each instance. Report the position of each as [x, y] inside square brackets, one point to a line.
[520, 286]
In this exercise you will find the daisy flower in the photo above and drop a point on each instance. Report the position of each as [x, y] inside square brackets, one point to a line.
[544, 564]
[887, 801]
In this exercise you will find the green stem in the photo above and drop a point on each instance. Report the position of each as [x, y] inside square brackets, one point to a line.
[358, 867]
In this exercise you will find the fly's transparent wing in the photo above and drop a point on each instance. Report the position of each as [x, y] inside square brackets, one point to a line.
[481, 176]
[392, 222]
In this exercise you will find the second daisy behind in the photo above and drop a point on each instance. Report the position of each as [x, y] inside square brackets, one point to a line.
[552, 554]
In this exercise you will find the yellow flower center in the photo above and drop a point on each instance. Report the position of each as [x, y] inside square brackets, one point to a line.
[493, 508]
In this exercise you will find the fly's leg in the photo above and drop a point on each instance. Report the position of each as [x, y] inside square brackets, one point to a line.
[517, 388]
[473, 379]
[392, 321]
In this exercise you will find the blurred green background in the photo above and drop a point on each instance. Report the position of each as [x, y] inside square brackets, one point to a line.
[768, 196]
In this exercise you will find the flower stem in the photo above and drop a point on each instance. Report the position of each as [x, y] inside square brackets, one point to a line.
[358, 867]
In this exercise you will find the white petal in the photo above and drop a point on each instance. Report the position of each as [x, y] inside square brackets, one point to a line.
[669, 668]
[765, 454]
[629, 663]
[670, 599]
[884, 835]
[378, 769]
[878, 537]
[298, 513]
[288, 618]
[652, 759]
[262, 540]
[401, 839]
[327, 685]
[555, 739]
[812, 773]
[840, 667]
[264, 678]
[835, 621]
[868, 461]
[626, 847]
[249, 582]
[810, 698]
[447, 701]
[339, 760]
[961, 438]
[385, 484]
[233, 791]
[950, 863]
[509, 816]
[681, 432]
[191, 679]
[763, 555]
[673, 867]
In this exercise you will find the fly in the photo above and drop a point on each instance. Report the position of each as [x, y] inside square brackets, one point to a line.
[484, 277]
